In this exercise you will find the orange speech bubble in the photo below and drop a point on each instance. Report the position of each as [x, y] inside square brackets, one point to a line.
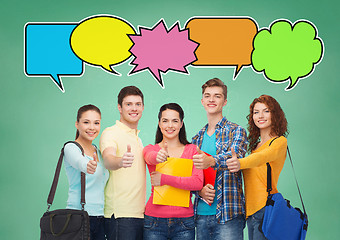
[223, 41]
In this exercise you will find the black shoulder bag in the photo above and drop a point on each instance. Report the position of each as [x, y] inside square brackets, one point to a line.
[65, 224]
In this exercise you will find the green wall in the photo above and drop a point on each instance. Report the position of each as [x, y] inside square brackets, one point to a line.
[37, 118]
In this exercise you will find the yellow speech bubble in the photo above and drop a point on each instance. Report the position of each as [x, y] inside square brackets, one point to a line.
[102, 41]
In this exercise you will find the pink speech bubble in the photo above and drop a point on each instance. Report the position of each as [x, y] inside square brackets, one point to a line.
[159, 50]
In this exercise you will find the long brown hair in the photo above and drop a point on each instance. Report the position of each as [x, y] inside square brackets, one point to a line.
[279, 121]
[83, 109]
[182, 133]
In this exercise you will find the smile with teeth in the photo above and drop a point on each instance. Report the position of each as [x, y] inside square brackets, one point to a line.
[170, 131]
[261, 121]
[91, 133]
[133, 114]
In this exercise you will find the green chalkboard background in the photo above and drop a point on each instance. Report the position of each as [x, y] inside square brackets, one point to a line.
[36, 117]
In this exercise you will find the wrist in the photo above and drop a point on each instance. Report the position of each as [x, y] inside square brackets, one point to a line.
[163, 179]
[117, 163]
[212, 161]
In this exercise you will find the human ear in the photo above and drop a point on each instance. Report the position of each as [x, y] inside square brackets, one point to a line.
[119, 108]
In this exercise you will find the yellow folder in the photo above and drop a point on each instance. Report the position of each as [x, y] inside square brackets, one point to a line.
[168, 195]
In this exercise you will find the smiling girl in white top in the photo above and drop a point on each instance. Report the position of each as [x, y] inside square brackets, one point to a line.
[88, 128]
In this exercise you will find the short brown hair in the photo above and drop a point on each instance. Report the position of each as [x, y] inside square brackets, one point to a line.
[215, 82]
[127, 91]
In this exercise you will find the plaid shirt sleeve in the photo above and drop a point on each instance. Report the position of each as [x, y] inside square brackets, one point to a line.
[230, 199]
[237, 139]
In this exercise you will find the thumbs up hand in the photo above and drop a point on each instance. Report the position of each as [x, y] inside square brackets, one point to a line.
[233, 163]
[162, 154]
[199, 151]
[92, 164]
[127, 158]
[202, 161]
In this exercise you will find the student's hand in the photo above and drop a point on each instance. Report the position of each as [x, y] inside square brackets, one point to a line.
[208, 193]
[92, 164]
[162, 154]
[233, 163]
[202, 161]
[127, 158]
[155, 178]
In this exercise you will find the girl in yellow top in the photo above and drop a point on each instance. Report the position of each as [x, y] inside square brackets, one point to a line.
[266, 121]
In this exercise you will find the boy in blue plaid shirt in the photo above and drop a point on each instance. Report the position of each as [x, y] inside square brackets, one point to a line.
[219, 209]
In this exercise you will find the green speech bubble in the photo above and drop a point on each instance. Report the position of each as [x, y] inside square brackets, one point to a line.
[286, 52]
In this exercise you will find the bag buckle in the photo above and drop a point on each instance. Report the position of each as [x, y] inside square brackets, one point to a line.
[48, 207]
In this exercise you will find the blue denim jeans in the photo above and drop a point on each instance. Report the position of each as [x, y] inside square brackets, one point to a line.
[130, 228]
[253, 223]
[169, 228]
[110, 228]
[124, 228]
[97, 228]
[207, 228]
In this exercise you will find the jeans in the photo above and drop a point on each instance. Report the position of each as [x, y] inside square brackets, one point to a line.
[110, 228]
[97, 228]
[207, 228]
[169, 228]
[124, 228]
[253, 223]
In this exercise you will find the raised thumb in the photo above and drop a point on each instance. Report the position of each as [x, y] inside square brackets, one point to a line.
[166, 146]
[199, 151]
[233, 153]
[95, 158]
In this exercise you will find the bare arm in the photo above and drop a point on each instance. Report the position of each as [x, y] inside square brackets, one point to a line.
[112, 162]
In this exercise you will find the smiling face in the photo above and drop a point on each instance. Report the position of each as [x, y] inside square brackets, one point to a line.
[170, 124]
[131, 110]
[213, 100]
[89, 125]
[262, 116]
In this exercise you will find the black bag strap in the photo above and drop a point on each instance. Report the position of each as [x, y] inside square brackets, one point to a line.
[269, 173]
[291, 162]
[56, 178]
[269, 178]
